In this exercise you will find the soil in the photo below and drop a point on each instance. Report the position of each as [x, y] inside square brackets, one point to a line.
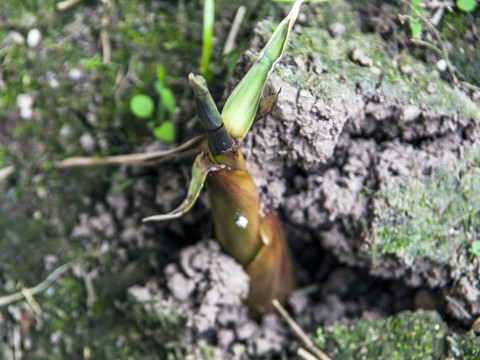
[166, 290]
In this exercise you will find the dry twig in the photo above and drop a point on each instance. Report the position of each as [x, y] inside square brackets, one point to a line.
[64, 5]
[142, 159]
[230, 42]
[299, 332]
[44, 285]
[6, 172]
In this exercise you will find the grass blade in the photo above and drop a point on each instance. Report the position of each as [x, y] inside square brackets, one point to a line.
[208, 23]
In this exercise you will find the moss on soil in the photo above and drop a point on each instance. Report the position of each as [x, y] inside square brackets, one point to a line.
[399, 77]
[435, 216]
[420, 335]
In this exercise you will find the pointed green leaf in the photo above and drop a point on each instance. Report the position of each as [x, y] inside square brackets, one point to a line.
[241, 106]
[168, 100]
[200, 169]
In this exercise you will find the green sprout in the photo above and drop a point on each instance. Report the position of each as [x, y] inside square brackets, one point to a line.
[245, 225]
[142, 106]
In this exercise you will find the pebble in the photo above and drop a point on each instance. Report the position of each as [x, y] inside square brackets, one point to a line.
[361, 58]
[75, 74]
[25, 104]
[431, 88]
[336, 29]
[34, 37]
[441, 65]
[53, 83]
[87, 142]
[15, 37]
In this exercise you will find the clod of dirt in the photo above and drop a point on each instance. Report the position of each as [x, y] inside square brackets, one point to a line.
[361, 58]
[336, 29]
[206, 288]
[338, 136]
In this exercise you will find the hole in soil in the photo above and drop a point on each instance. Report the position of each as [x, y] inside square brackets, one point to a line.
[333, 291]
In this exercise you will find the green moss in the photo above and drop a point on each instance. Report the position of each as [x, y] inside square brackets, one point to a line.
[344, 77]
[464, 347]
[419, 335]
[435, 216]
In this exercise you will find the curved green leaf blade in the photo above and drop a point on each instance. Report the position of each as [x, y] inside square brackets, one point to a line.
[241, 106]
[200, 169]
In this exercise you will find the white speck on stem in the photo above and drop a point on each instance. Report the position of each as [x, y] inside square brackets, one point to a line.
[242, 222]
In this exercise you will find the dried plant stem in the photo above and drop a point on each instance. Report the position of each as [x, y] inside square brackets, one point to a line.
[438, 37]
[104, 36]
[106, 48]
[299, 332]
[436, 4]
[305, 355]
[232, 35]
[44, 285]
[139, 159]
[64, 5]
[6, 172]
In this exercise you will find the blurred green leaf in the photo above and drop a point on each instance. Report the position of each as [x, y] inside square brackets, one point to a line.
[165, 132]
[161, 73]
[415, 28]
[158, 85]
[142, 106]
[168, 100]
[475, 248]
[466, 5]
[415, 24]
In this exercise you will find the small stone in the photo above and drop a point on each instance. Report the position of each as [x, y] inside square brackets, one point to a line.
[336, 29]
[262, 346]
[376, 71]
[225, 337]
[431, 88]
[441, 65]
[238, 349]
[24, 101]
[361, 58]
[75, 74]
[410, 113]
[298, 302]
[406, 70]
[180, 286]
[34, 37]
[87, 142]
[53, 83]
[301, 62]
[15, 37]
[26, 113]
[247, 330]
[317, 65]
